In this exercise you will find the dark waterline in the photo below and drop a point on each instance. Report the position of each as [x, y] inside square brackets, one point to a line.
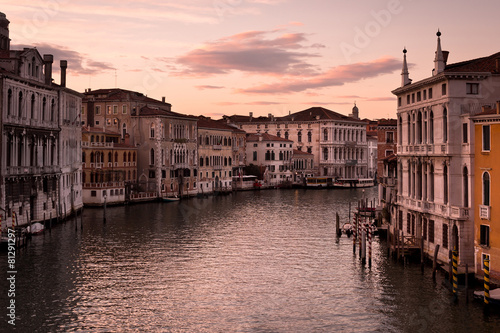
[252, 262]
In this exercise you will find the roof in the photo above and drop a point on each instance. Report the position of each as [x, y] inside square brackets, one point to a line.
[254, 137]
[150, 111]
[312, 114]
[297, 152]
[484, 64]
[205, 122]
[387, 122]
[113, 94]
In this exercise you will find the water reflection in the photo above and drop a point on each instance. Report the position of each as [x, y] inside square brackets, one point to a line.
[253, 262]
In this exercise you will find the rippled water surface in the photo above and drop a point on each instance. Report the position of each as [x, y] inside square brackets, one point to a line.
[263, 261]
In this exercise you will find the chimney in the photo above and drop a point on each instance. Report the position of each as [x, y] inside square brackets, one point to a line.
[48, 59]
[445, 56]
[251, 115]
[64, 65]
[163, 99]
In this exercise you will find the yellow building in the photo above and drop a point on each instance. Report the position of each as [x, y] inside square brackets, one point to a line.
[486, 197]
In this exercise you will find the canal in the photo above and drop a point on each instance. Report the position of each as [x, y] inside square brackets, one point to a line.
[265, 261]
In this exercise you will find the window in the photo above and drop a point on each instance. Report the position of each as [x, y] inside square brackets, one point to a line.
[486, 138]
[430, 93]
[152, 157]
[486, 189]
[389, 152]
[464, 133]
[286, 135]
[413, 98]
[309, 136]
[445, 236]
[431, 231]
[445, 184]
[431, 126]
[425, 95]
[408, 223]
[472, 88]
[108, 122]
[152, 131]
[466, 186]
[445, 125]
[97, 109]
[399, 101]
[115, 109]
[124, 109]
[309, 150]
[407, 99]
[325, 154]
[299, 137]
[424, 229]
[419, 96]
[325, 135]
[93, 193]
[484, 235]
[443, 89]
[109, 109]
[389, 137]
[9, 102]
[20, 105]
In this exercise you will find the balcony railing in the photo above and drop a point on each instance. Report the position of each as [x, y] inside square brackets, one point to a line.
[459, 213]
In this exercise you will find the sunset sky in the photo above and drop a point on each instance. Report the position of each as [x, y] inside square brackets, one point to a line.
[216, 57]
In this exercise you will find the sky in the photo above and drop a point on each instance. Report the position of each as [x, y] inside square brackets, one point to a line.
[226, 57]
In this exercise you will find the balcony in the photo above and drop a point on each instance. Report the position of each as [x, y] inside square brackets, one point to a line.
[217, 147]
[459, 213]
[484, 212]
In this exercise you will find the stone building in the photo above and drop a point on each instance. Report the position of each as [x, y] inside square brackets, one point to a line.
[338, 142]
[165, 140]
[272, 153]
[40, 172]
[436, 151]
[216, 141]
[109, 166]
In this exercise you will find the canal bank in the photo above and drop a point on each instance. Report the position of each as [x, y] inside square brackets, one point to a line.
[250, 262]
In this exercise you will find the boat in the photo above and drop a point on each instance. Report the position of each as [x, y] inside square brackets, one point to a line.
[347, 229]
[319, 182]
[170, 199]
[494, 296]
[353, 182]
[35, 229]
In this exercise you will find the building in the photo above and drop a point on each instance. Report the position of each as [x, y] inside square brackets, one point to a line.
[40, 172]
[272, 153]
[338, 142]
[435, 151]
[109, 167]
[487, 172]
[302, 166]
[165, 140]
[386, 146]
[216, 141]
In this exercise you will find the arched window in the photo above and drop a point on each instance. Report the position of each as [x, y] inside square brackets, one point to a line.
[116, 157]
[299, 137]
[286, 135]
[400, 131]
[83, 157]
[152, 157]
[91, 138]
[110, 157]
[325, 154]
[52, 110]
[431, 127]
[201, 161]
[325, 135]
[9, 102]
[279, 135]
[92, 157]
[152, 131]
[124, 157]
[445, 125]
[409, 129]
[133, 159]
[445, 184]
[124, 130]
[419, 127]
[129, 157]
[32, 106]
[466, 186]
[44, 107]
[486, 189]
[20, 105]
[309, 136]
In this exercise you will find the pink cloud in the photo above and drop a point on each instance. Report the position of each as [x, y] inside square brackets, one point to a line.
[381, 99]
[335, 76]
[203, 87]
[258, 52]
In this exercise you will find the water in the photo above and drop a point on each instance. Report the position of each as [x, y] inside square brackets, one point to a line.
[263, 261]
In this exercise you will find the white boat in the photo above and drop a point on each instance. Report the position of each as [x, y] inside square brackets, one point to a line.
[36, 228]
[353, 183]
[170, 199]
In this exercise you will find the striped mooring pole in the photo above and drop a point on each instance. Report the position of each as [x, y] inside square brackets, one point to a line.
[455, 273]
[370, 232]
[354, 234]
[487, 280]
